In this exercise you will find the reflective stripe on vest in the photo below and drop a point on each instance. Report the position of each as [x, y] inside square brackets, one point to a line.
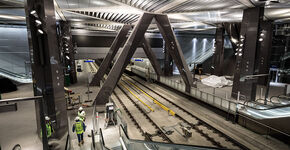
[79, 127]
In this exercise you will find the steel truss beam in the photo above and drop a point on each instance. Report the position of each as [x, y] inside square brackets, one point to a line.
[121, 37]
[135, 38]
[174, 49]
[128, 51]
[151, 56]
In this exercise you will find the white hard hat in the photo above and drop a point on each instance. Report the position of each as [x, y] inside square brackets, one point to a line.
[77, 118]
[81, 108]
[47, 118]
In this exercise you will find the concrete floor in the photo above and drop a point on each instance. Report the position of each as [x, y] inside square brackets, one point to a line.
[20, 127]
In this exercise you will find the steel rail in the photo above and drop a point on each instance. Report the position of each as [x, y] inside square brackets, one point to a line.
[159, 130]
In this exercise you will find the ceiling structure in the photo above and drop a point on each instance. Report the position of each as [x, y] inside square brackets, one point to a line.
[110, 15]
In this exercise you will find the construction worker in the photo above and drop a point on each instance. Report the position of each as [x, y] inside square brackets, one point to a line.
[82, 114]
[49, 129]
[80, 128]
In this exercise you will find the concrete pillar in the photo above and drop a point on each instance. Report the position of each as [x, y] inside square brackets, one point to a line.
[47, 71]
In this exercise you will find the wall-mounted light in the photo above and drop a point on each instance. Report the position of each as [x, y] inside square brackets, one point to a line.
[38, 22]
[40, 31]
[260, 39]
[34, 13]
[67, 57]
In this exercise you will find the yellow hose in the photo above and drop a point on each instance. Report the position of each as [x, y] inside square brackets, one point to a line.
[137, 97]
[154, 100]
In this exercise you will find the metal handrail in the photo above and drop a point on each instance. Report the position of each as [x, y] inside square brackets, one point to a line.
[264, 125]
[20, 99]
[102, 140]
[67, 142]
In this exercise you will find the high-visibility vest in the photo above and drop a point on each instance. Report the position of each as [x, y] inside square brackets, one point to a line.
[79, 127]
[48, 129]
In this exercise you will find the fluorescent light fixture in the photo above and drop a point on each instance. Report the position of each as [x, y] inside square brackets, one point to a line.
[40, 31]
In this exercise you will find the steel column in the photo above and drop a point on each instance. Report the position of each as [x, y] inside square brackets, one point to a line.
[129, 49]
[218, 57]
[246, 58]
[67, 48]
[47, 71]
[174, 49]
[105, 65]
[151, 56]
[264, 51]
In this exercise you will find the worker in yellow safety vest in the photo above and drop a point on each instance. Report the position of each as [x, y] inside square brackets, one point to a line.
[49, 129]
[79, 127]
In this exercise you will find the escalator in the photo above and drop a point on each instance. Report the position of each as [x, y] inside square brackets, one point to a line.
[19, 78]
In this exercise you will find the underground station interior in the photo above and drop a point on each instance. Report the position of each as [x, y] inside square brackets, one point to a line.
[144, 74]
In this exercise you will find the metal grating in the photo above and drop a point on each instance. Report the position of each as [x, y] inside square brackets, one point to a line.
[205, 5]
[146, 5]
[106, 26]
[115, 17]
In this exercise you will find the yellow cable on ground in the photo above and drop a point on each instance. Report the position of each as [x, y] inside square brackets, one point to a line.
[154, 100]
[137, 97]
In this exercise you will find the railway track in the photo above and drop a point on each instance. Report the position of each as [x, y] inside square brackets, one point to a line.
[199, 127]
[147, 136]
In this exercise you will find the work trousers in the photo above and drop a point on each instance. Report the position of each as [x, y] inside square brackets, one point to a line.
[80, 137]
